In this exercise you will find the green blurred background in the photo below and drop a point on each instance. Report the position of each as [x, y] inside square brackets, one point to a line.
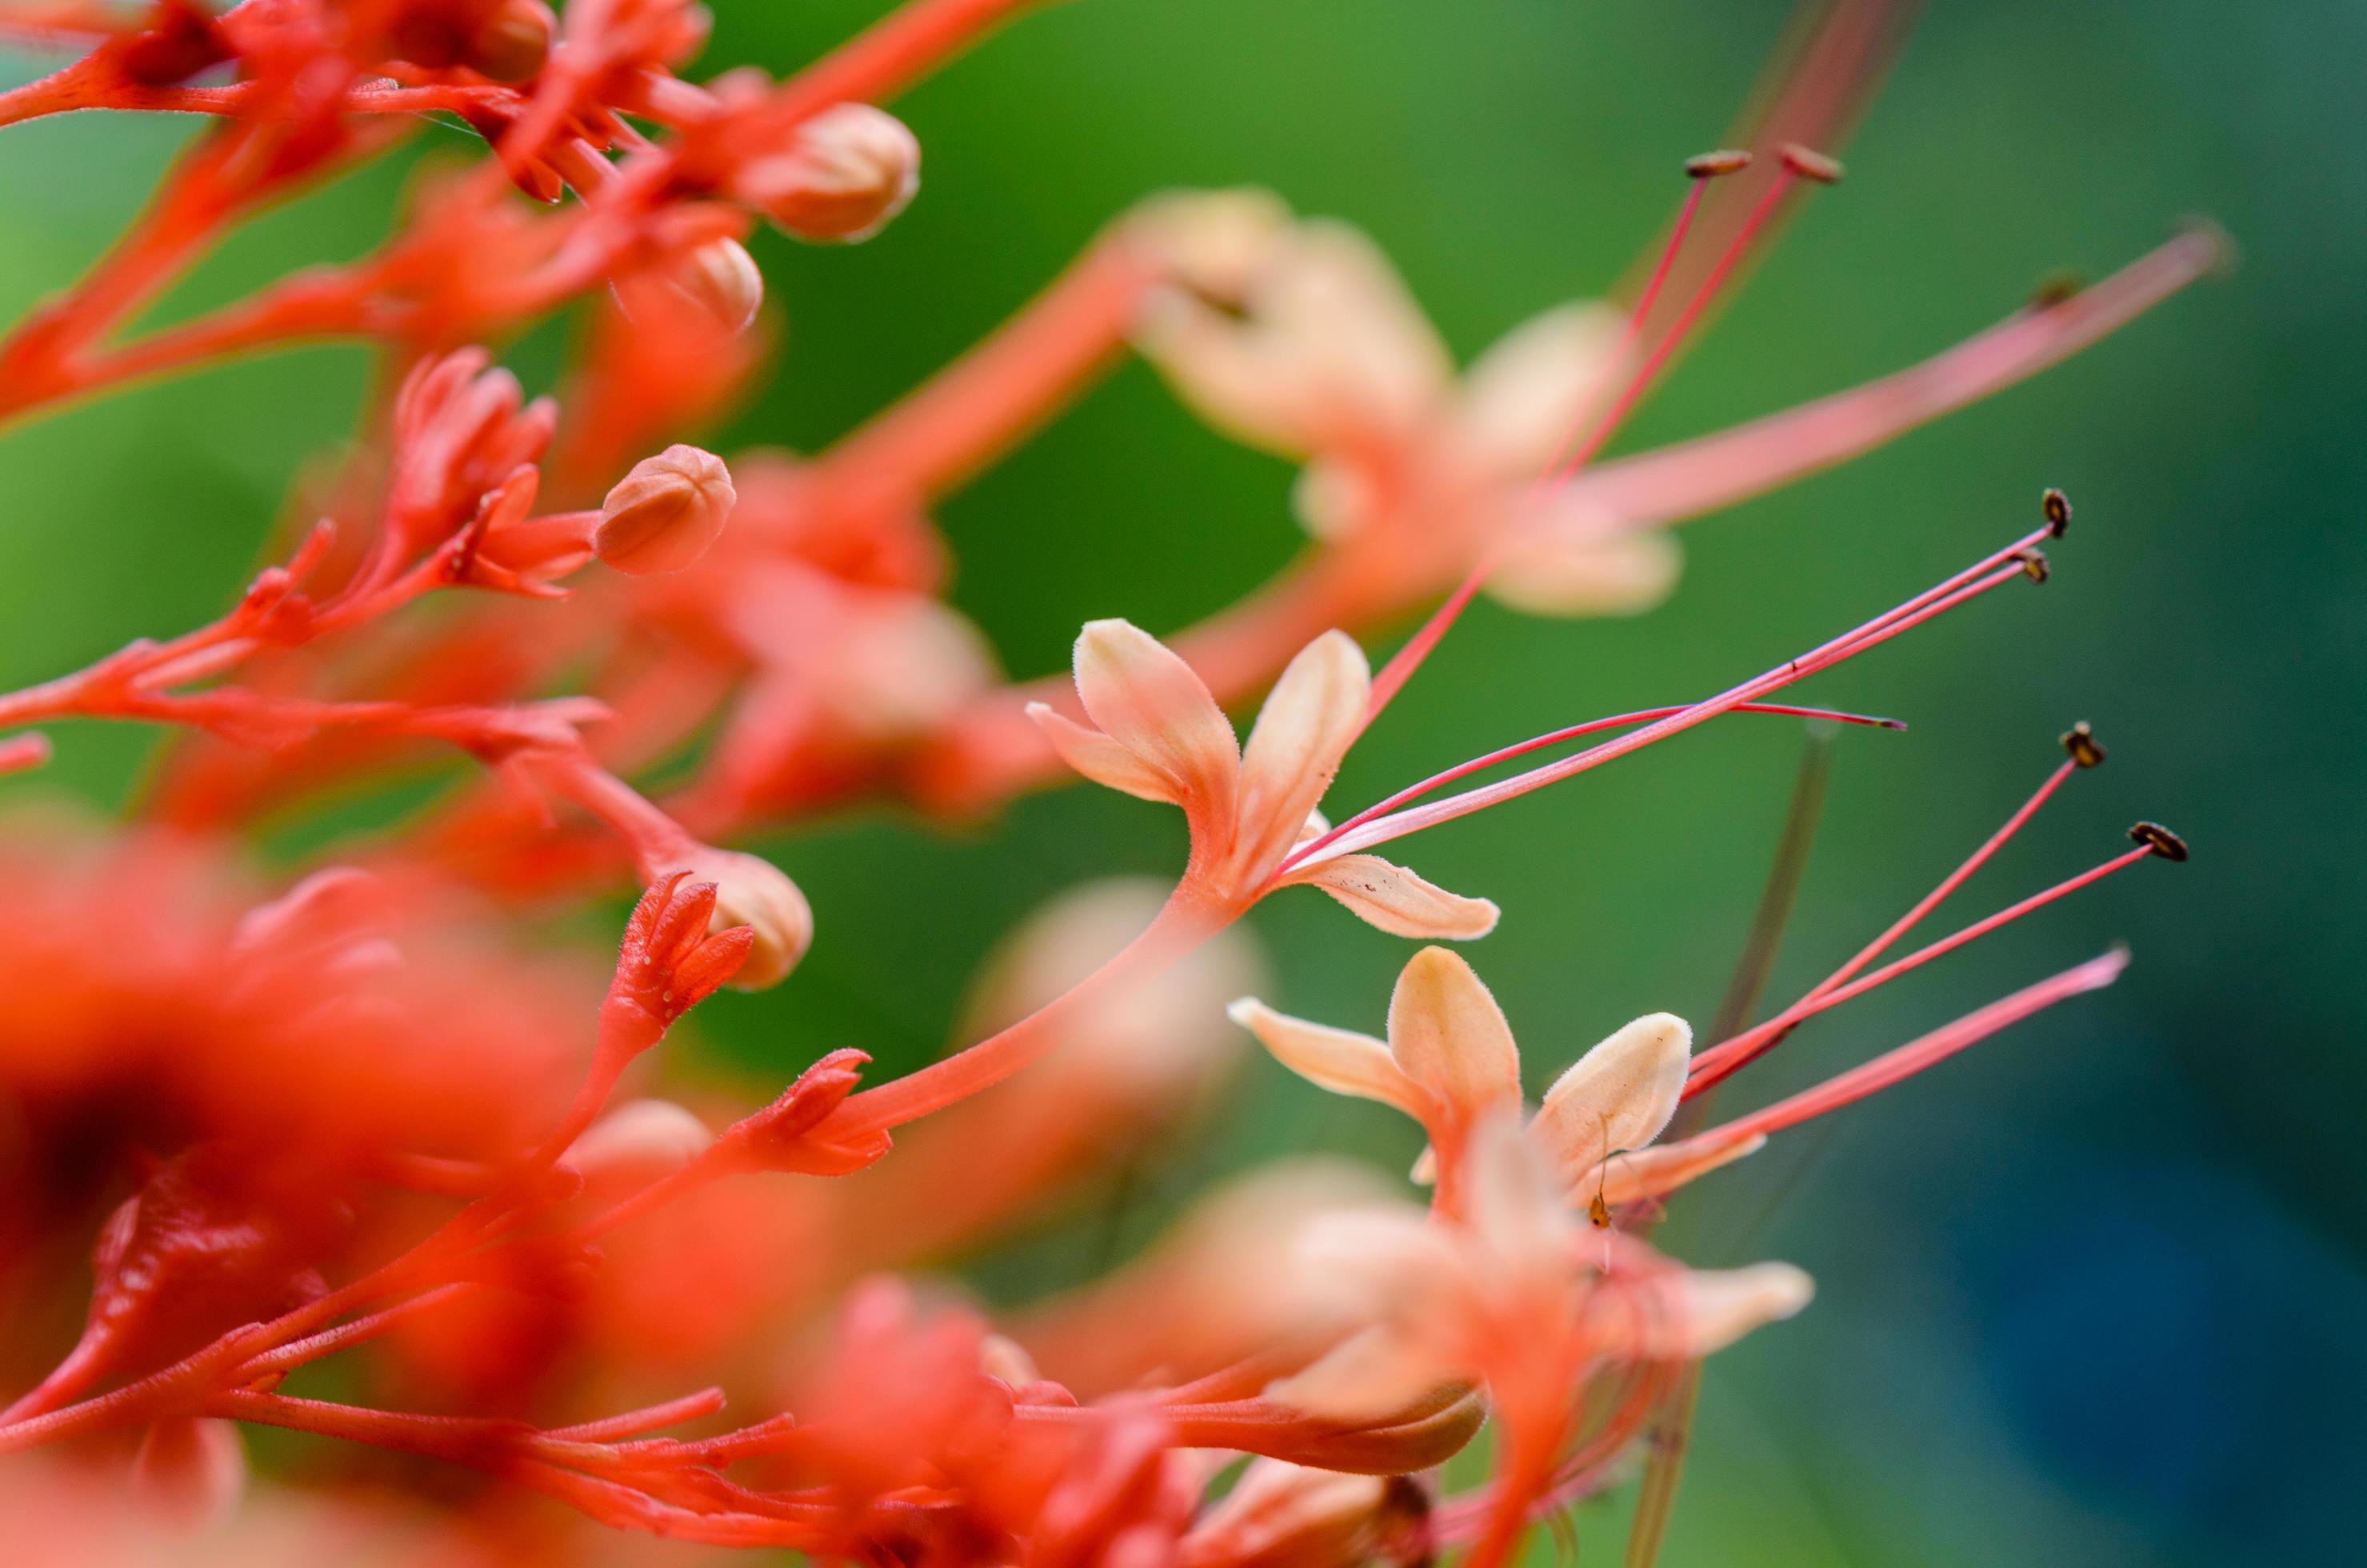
[2091, 1295]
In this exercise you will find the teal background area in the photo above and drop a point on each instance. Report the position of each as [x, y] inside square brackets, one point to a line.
[2091, 1295]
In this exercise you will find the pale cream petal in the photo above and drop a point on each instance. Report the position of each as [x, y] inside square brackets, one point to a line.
[1367, 1377]
[1339, 1059]
[1247, 384]
[1150, 702]
[1525, 398]
[1101, 759]
[1341, 298]
[1690, 1315]
[1388, 895]
[1571, 560]
[1307, 725]
[1280, 1512]
[1394, 1262]
[1215, 242]
[1617, 1095]
[1513, 1202]
[1449, 1036]
[1660, 1170]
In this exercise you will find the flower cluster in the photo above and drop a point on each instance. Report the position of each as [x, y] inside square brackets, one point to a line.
[340, 1123]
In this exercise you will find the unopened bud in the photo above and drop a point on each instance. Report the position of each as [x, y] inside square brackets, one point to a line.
[512, 42]
[2058, 510]
[719, 278]
[190, 1473]
[846, 172]
[666, 513]
[1808, 163]
[2158, 839]
[2080, 741]
[636, 1143]
[1712, 166]
[756, 894]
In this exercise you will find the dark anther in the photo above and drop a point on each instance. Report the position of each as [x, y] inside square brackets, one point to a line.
[1710, 165]
[2158, 839]
[2080, 741]
[2057, 507]
[2056, 288]
[2034, 564]
[1811, 164]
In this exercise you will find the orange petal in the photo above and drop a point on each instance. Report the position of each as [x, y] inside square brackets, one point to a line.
[1307, 722]
[1101, 759]
[1389, 896]
[1617, 1095]
[1150, 702]
[1656, 1172]
[1448, 1036]
[1339, 1059]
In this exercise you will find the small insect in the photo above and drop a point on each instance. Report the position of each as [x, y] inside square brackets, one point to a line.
[1597, 1210]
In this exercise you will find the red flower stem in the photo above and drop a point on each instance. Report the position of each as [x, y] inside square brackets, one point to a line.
[961, 419]
[1188, 919]
[901, 47]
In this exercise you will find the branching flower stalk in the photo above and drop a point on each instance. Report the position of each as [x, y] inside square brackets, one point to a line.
[346, 1113]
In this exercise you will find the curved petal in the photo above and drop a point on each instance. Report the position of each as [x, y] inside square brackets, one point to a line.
[1150, 702]
[1688, 1315]
[1309, 719]
[1659, 1171]
[1367, 1377]
[1101, 759]
[1617, 1095]
[1524, 400]
[1574, 561]
[1389, 896]
[1339, 1059]
[1448, 1036]
[1365, 343]
[1513, 1204]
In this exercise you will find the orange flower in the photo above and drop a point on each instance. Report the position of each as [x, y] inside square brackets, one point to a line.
[1161, 736]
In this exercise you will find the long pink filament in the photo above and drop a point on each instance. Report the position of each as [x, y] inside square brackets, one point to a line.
[1725, 1060]
[1959, 589]
[1916, 1055]
[1408, 658]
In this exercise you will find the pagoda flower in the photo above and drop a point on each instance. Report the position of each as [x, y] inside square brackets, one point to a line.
[1159, 734]
[1517, 1295]
[1296, 337]
[1450, 1062]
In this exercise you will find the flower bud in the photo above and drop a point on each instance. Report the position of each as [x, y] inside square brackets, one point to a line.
[190, 1473]
[846, 172]
[755, 893]
[719, 278]
[666, 513]
[635, 1144]
[512, 44]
